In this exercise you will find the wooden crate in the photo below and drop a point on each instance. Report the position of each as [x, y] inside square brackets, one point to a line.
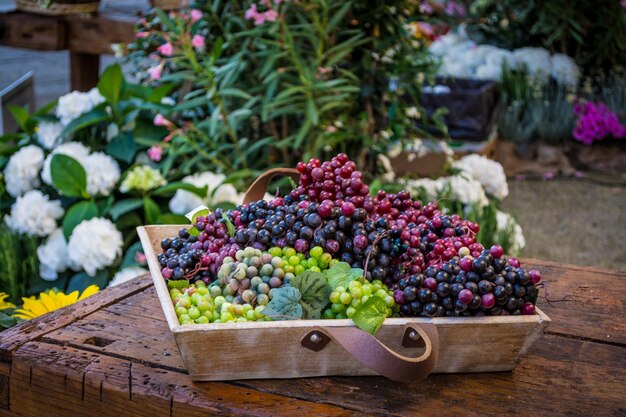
[276, 349]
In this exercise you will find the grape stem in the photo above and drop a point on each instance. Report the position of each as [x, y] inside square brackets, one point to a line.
[374, 243]
[193, 272]
[550, 302]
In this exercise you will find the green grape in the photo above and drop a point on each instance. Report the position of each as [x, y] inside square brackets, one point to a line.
[184, 301]
[184, 318]
[238, 309]
[338, 308]
[262, 299]
[328, 314]
[300, 269]
[202, 320]
[219, 300]
[193, 312]
[226, 316]
[345, 298]
[250, 315]
[341, 316]
[289, 252]
[180, 311]
[350, 311]
[199, 284]
[215, 291]
[316, 252]
[327, 259]
[203, 305]
[334, 297]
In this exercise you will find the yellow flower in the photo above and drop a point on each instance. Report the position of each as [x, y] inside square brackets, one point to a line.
[5, 304]
[50, 301]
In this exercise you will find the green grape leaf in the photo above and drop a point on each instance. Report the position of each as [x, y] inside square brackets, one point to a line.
[229, 225]
[292, 183]
[370, 315]
[285, 304]
[314, 291]
[177, 283]
[340, 275]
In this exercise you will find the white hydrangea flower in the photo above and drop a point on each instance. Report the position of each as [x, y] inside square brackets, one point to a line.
[489, 173]
[53, 256]
[564, 70]
[94, 244]
[34, 214]
[126, 274]
[75, 104]
[536, 60]
[22, 171]
[103, 172]
[95, 97]
[76, 150]
[466, 190]
[489, 72]
[49, 134]
[504, 221]
[218, 192]
[431, 187]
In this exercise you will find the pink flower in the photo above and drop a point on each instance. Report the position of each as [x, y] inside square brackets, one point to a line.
[166, 49]
[270, 15]
[140, 258]
[253, 14]
[195, 15]
[579, 174]
[426, 8]
[155, 152]
[331, 129]
[197, 41]
[155, 72]
[549, 175]
[160, 120]
[142, 34]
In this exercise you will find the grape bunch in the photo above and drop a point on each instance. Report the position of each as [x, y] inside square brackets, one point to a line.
[345, 300]
[192, 257]
[468, 286]
[427, 262]
[196, 304]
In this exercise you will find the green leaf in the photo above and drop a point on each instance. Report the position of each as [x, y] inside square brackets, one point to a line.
[314, 291]
[6, 321]
[130, 254]
[338, 275]
[83, 210]
[122, 147]
[68, 176]
[285, 304]
[171, 218]
[151, 210]
[171, 188]
[124, 206]
[90, 118]
[111, 84]
[81, 281]
[177, 283]
[158, 93]
[229, 225]
[197, 212]
[21, 116]
[370, 315]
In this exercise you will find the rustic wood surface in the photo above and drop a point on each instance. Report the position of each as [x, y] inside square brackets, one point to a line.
[113, 354]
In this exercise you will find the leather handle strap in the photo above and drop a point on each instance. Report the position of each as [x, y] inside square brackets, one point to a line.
[257, 190]
[373, 354]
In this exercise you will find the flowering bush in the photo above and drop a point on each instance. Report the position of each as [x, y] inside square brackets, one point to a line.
[254, 93]
[79, 182]
[595, 122]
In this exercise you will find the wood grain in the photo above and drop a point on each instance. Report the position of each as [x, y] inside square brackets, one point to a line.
[16, 336]
[66, 381]
[25, 30]
[593, 305]
[460, 339]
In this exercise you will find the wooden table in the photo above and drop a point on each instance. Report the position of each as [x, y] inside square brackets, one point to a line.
[85, 37]
[113, 354]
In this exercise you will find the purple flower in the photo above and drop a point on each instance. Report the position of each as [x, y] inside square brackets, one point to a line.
[595, 122]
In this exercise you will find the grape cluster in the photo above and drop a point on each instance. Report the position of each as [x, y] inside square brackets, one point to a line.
[345, 300]
[196, 304]
[487, 284]
[192, 257]
[430, 262]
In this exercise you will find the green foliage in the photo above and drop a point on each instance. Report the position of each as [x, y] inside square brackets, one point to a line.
[285, 304]
[69, 176]
[370, 316]
[83, 210]
[307, 85]
[594, 32]
[340, 275]
[314, 291]
[18, 263]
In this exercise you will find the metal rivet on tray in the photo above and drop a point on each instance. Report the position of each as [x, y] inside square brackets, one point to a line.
[315, 338]
[414, 335]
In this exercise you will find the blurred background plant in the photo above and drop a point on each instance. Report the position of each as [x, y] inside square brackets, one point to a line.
[278, 82]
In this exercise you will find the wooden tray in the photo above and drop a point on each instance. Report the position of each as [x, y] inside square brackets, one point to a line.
[251, 350]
